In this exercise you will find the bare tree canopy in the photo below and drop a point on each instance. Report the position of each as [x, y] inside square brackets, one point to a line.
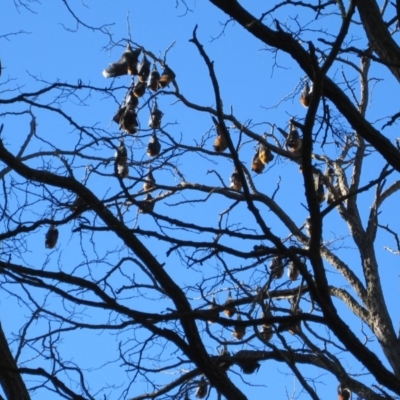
[199, 200]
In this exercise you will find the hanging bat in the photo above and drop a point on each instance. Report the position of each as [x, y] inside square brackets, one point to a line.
[166, 77]
[229, 309]
[293, 272]
[266, 314]
[256, 165]
[128, 120]
[236, 183]
[202, 388]
[122, 170]
[248, 365]
[154, 146]
[121, 154]
[155, 117]
[51, 237]
[144, 69]
[119, 114]
[149, 181]
[152, 83]
[265, 154]
[131, 100]
[239, 330]
[220, 143]
[277, 267]
[127, 64]
[225, 364]
[293, 141]
[305, 96]
[121, 158]
[147, 205]
[343, 393]
[266, 333]
[294, 327]
[139, 89]
[291, 327]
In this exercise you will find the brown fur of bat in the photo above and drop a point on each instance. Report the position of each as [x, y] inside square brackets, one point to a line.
[51, 237]
[220, 143]
[154, 146]
[266, 333]
[166, 77]
[256, 165]
[202, 389]
[152, 82]
[239, 331]
[149, 181]
[213, 311]
[277, 267]
[265, 154]
[144, 69]
[248, 365]
[229, 310]
[293, 272]
[127, 64]
[236, 183]
[128, 121]
[147, 205]
[305, 96]
[343, 393]
[155, 117]
[293, 141]
[139, 89]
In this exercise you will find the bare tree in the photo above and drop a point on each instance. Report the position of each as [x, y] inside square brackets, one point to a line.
[188, 280]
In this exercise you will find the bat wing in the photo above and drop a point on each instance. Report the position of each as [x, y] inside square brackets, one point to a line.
[116, 69]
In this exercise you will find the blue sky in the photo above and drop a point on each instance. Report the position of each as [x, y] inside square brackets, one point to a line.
[258, 87]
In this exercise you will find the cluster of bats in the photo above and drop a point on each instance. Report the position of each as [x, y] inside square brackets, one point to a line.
[263, 154]
[266, 332]
[126, 118]
[250, 365]
[149, 78]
